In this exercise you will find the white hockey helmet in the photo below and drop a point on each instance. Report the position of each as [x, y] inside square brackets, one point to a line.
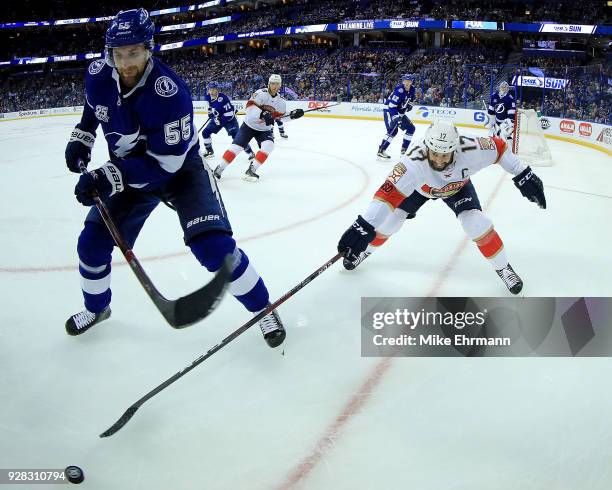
[275, 79]
[503, 88]
[442, 137]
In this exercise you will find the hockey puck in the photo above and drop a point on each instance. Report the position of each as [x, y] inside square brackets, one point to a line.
[74, 474]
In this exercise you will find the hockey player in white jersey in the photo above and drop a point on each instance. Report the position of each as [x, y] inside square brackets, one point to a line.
[440, 167]
[262, 109]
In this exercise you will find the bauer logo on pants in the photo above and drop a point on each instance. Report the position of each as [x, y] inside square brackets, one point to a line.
[203, 219]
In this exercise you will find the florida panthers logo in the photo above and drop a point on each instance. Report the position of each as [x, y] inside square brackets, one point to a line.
[446, 191]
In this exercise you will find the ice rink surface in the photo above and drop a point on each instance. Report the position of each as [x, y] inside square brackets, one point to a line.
[319, 416]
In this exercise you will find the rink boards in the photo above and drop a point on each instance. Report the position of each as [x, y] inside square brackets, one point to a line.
[589, 134]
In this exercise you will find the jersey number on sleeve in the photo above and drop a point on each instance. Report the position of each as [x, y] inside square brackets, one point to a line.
[175, 129]
[420, 156]
[464, 143]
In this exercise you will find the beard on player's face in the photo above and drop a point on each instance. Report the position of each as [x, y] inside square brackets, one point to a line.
[439, 161]
[131, 62]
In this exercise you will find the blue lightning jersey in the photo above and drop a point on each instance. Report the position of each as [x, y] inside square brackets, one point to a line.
[399, 102]
[149, 128]
[221, 108]
[502, 107]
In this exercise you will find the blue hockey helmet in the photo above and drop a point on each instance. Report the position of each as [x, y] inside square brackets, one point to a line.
[408, 76]
[130, 27]
[213, 84]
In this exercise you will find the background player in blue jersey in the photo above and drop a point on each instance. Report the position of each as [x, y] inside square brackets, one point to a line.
[146, 115]
[502, 109]
[222, 114]
[397, 105]
[281, 129]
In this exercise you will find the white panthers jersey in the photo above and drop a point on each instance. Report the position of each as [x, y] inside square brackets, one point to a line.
[259, 100]
[413, 172]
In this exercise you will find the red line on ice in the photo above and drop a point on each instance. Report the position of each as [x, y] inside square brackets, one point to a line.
[122, 263]
[359, 399]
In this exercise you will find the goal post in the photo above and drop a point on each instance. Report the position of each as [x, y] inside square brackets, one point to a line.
[529, 143]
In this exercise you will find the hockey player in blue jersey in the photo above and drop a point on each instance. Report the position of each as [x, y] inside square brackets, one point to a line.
[146, 116]
[221, 114]
[501, 111]
[397, 105]
[281, 129]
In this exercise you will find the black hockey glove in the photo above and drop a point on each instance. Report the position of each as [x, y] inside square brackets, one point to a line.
[296, 114]
[105, 181]
[79, 148]
[531, 187]
[267, 117]
[355, 240]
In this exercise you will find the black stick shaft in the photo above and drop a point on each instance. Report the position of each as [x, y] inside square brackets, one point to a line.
[184, 311]
[129, 413]
[131, 259]
[316, 109]
[205, 123]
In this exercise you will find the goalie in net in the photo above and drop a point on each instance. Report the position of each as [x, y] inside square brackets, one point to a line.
[520, 128]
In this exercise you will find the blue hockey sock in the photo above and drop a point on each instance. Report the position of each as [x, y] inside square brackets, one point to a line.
[95, 247]
[246, 285]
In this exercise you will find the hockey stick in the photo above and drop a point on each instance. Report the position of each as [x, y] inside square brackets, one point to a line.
[181, 312]
[129, 413]
[205, 123]
[315, 109]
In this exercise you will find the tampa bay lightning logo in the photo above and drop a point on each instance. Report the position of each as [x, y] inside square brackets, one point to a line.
[122, 144]
[499, 108]
[96, 67]
[165, 87]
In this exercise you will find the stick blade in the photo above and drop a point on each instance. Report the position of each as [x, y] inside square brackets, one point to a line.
[201, 303]
[124, 419]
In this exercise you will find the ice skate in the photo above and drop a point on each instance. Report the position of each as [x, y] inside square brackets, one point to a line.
[383, 155]
[511, 279]
[250, 175]
[349, 264]
[217, 173]
[272, 329]
[83, 321]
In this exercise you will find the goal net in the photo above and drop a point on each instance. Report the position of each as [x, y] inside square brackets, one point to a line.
[529, 142]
